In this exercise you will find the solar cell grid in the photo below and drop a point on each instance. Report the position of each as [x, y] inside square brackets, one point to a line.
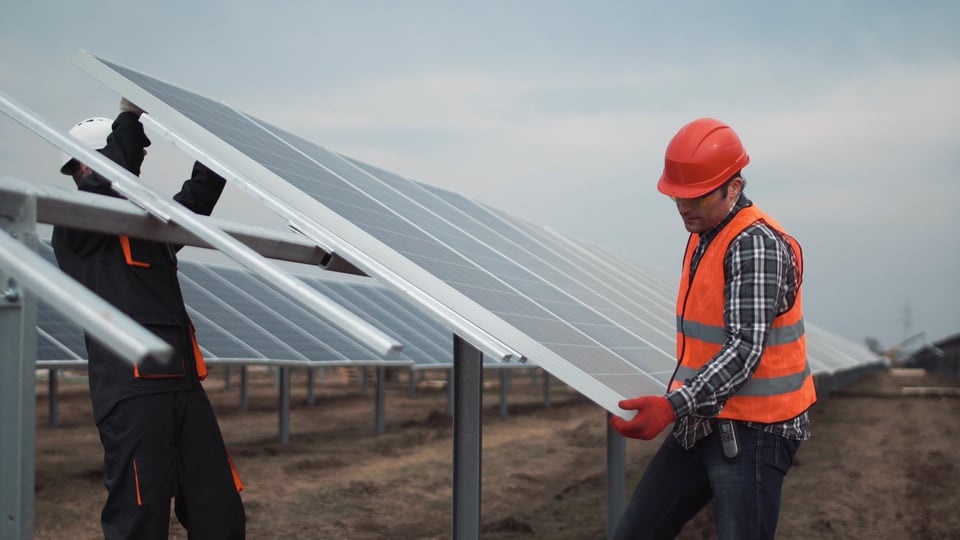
[339, 346]
[68, 336]
[49, 347]
[548, 319]
[607, 330]
[421, 348]
[276, 315]
[218, 309]
[643, 295]
[215, 342]
[412, 316]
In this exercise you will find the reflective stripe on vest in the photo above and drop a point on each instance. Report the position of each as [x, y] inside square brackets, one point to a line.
[759, 387]
[716, 334]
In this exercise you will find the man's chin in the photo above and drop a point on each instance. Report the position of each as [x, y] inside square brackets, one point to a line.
[692, 226]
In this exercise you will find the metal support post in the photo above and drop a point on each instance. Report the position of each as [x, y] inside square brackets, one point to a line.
[450, 393]
[311, 400]
[284, 391]
[504, 391]
[467, 438]
[53, 378]
[18, 356]
[616, 477]
[381, 399]
[546, 390]
[244, 389]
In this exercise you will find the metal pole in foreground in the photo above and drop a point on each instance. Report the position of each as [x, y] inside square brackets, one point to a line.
[18, 355]
[467, 438]
[616, 471]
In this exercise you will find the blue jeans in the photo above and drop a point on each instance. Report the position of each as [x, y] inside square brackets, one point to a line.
[678, 483]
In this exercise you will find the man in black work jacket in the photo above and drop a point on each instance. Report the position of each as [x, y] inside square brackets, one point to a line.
[159, 433]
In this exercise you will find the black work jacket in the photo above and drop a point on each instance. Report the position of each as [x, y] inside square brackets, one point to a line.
[139, 277]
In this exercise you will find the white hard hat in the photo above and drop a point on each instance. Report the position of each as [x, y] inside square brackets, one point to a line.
[92, 133]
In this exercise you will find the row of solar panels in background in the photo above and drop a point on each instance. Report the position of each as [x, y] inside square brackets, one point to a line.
[240, 320]
[827, 353]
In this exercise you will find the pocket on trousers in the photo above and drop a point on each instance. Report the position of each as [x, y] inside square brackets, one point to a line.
[786, 450]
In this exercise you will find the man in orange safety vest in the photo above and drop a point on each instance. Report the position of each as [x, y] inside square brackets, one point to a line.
[740, 394]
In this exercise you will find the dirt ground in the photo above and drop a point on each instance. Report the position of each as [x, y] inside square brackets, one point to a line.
[881, 464]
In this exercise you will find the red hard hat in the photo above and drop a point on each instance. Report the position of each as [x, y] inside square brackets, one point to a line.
[702, 156]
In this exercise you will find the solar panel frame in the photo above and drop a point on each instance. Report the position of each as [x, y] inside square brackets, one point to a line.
[563, 359]
[205, 146]
[608, 332]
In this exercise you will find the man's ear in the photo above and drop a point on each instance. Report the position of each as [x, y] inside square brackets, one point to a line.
[737, 186]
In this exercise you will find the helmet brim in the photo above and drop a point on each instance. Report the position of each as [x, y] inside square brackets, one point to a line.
[685, 191]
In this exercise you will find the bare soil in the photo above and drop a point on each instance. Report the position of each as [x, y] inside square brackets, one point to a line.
[881, 464]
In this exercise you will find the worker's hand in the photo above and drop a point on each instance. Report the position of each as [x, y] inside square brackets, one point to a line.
[127, 106]
[653, 414]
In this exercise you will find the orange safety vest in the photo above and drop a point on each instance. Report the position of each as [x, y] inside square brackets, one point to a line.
[782, 386]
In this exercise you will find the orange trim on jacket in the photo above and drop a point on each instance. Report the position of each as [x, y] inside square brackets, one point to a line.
[136, 480]
[125, 244]
[236, 475]
[782, 386]
[197, 355]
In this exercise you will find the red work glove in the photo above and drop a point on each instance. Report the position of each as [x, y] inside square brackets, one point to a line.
[653, 414]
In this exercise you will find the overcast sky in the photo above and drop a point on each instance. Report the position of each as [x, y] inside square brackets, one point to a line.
[559, 113]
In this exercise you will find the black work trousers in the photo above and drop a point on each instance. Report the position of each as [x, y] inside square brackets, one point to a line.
[159, 446]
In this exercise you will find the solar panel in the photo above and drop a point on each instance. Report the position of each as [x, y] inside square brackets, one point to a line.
[217, 343]
[52, 345]
[237, 319]
[599, 322]
[831, 353]
[60, 338]
[592, 284]
[826, 352]
[283, 319]
[415, 245]
[429, 344]
[65, 336]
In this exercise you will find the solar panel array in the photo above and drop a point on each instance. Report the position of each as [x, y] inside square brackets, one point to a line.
[827, 352]
[596, 323]
[240, 320]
